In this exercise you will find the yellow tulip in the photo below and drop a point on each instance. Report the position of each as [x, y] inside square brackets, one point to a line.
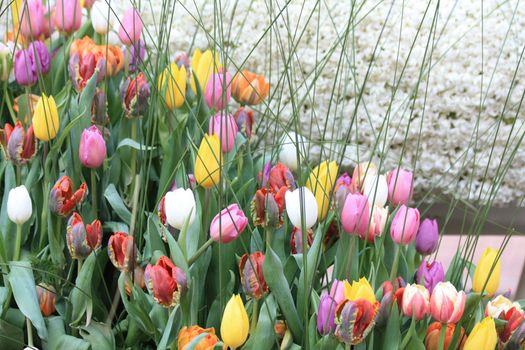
[208, 162]
[172, 82]
[45, 118]
[16, 6]
[234, 324]
[482, 274]
[483, 336]
[202, 66]
[321, 182]
[359, 290]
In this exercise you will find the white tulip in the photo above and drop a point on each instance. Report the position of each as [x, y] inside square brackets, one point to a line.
[289, 144]
[376, 184]
[293, 207]
[179, 204]
[19, 207]
[102, 17]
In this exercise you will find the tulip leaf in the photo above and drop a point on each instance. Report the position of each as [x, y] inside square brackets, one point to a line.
[9, 183]
[24, 290]
[80, 296]
[11, 336]
[176, 254]
[264, 336]
[195, 341]
[328, 342]
[99, 336]
[127, 142]
[172, 326]
[117, 203]
[153, 238]
[392, 337]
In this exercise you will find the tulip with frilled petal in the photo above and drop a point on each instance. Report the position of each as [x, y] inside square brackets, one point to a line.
[498, 305]
[179, 206]
[46, 299]
[293, 150]
[67, 16]
[19, 146]
[31, 62]
[234, 324]
[513, 333]
[378, 218]
[92, 149]
[45, 118]
[203, 65]
[62, 199]
[19, 207]
[249, 88]
[135, 93]
[483, 336]
[355, 215]
[326, 315]
[446, 303]
[244, 119]
[208, 162]
[433, 333]
[359, 290]
[223, 125]
[280, 176]
[32, 21]
[416, 301]
[427, 237]
[354, 320]
[130, 27]
[268, 206]
[218, 90]
[487, 274]
[187, 334]
[172, 85]
[82, 239]
[82, 66]
[102, 17]
[375, 189]
[320, 182]
[400, 186]
[252, 275]
[227, 225]
[165, 281]
[361, 172]
[430, 274]
[404, 225]
[296, 240]
[301, 204]
[122, 251]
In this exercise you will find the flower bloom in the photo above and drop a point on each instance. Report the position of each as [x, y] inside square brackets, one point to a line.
[208, 162]
[45, 118]
[19, 207]
[433, 333]
[321, 182]
[122, 251]
[292, 150]
[187, 334]
[361, 172]
[378, 218]
[32, 19]
[356, 214]
[203, 65]
[375, 189]
[354, 320]
[234, 324]
[487, 274]
[172, 85]
[416, 301]
[62, 199]
[446, 303]
[513, 333]
[92, 149]
[130, 27]
[249, 88]
[223, 125]
[326, 315]
[404, 225]
[19, 146]
[296, 240]
[280, 176]
[218, 90]
[427, 237]
[46, 299]
[102, 17]
[359, 290]
[430, 274]
[483, 336]
[82, 67]
[82, 239]
[498, 305]
[301, 205]
[252, 276]
[244, 119]
[135, 93]
[267, 207]
[165, 281]
[400, 186]
[67, 16]
[31, 62]
[227, 225]
[134, 55]
[179, 206]
[342, 188]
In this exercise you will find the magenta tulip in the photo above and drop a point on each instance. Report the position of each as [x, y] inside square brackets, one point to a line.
[427, 237]
[130, 27]
[356, 214]
[225, 127]
[228, 224]
[400, 186]
[405, 225]
[430, 274]
[67, 16]
[218, 90]
[326, 315]
[32, 20]
[92, 150]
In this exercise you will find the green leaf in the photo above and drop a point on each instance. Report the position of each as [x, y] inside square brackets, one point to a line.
[80, 296]
[195, 341]
[311, 266]
[169, 335]
[9, 183]
[117, 203]
[127, 142]
[392, 338]
[264, 336]
[99, 336]
[11, 337]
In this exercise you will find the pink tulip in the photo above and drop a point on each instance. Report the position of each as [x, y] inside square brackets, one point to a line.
[446, 303]
[225, 127]
[416, 301]
[32, 21]
[355, 215]
[218, 90]
[378, 220]
[405, 225]
[130, 28]
[228, 224]
[400, 186]
[67, 16]
[92, 150]
[337, 291]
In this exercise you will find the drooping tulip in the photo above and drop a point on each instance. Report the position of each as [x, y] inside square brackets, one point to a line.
[252, 275]
[122, 251]
[400, 186]
[135, 94]
[172, 85]
[165, 281]
[19, 146]
[45, 118]
[487, 273]
[92, 149]
[430, 274]
[249, 88]
[203, 65]
[218, 90]
[46, 299]
[320, 182]
[427, 237]
[293, 150]
[433, 334]
[187, 334]
[179, 206]
[67, 16]
[375, 189]
[32, 19]
[446, 303]
[130, 27]
[301, 205]
[245, 120]
[227, 225]
[62, 199]
[235, 324]
[404, 225]
[416, 301]
[483, 336]
[326, 315]
[361, 172]
[356, 214]
[102, 17]
[223, 125]
[378, 218]
[19, 206]
[296, 240]
[268, 206]
[208, 162]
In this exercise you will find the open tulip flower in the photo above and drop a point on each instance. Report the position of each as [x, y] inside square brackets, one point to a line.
[62, 199]
[165, 281]
[416, 301]
[249, 88]
[122, 251]
[446, 303]
[18, 144]
[187, 334]
[268, 206]
[252, 276]
[433, 334]
[172, 85]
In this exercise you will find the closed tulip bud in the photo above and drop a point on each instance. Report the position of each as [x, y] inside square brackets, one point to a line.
[179, 206]
[487, 275]
[234, 324]
[244, 119]
[67, 16]
[321, 182]
[6, 62]
[92, 149]
[102, 17]
[361, 172]
[45, 118]
[166, 282]
[249, 88]
[187, 334]
[337, 291]
[203, 65]
[326, 315]
[208, 162]
[19, 207]
[355, 215]
[76, 237]
[228, 224]
[19, 146]
[130, 27]
[301, 205]
[280, 176]
[378, 218]
[267, 207]
[25, 67]
[293, 150]
[135, 94]
[62, 199]
[218, 90]
[122, 251]
[343, 187]
[138, 280]
[296, 240]
[136, 55]
[427, 237]
[376, 190]
[430, 274]
[32, 19]
[172, 85]
[94, 234]
[433, 333]
[252, 276]
[87, 4]
[224, 126]
[499, 305]
[404, 225]
[483, 336]
[513, 333]
[354, 320]
[446, 303]
[416, 301]
[46, 299]
[400, 186]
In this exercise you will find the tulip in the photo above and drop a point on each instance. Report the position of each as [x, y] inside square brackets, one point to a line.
[67, 16]
[252, 276]
[337, 291]
[416, 301]
[32, 19]
[19, 146]
[102, 17]
[19, 207]
[228, 224]
[138, 280]
[430, 274]
[135, 56]
[187, 334]
[244, 119]
[446, 303]
[234, 324]
[82, 240]
[130, 27]
[161, 212]
[301, 204]
[359, 290]
[62, 200]
[166, 282]
[172, 85]
[296, 240]
[483, 336]
[82, 66]
[292, 150]
[487, 274]
[180, 206]
[378, 218]
[400, 186]
[280, 176]
[356, 214]
[268, 206]
[498, 305]
[361, 172]
[513, 333]
[182, 60]
[427, 237]
[99, 108]
[6, 62]
[87, 4]
[376, 189]
[41, 56]
[433, 333]
[224, 126]
[203, 65]
[405, 225]
[354, 320]
[46, 299]
[92, 149]
[249, 88]
[326, 315]
[343, 187]
[218, 90]
[122, 251]
[135, 93]
[25, 67]
[321, 182]
[208, 162]
[45, 118]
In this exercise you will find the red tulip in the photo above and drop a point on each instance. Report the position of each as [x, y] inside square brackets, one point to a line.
[122, 251]
[165, 281]
[19, 146]
[281, 176]
[252, 277]
[62, 199]
[82, 239]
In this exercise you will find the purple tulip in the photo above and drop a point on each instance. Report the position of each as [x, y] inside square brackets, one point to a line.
[404, 226]
[130, 28]
[342, 188]
[427, 237]
[25, 68]
[92, 150]
[356, 214]
[337, 291]
[218, 92]
[137, 53]
[32, 21]
[430, 274]
[225, 127]
[400, 186]
[42, 58]
[326, 315]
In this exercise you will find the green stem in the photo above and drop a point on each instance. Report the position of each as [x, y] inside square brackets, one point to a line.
[353, 241]
[43, 227]
[94, 203]
[79, 266]
[29, 332]
[18, 242]
[393, 272]
[18, 175]
[114, 305]
[200, 251]
[134, 209]
[442, 334]
[268, 233]
[133, 150]
[255, 316]
[7, 100]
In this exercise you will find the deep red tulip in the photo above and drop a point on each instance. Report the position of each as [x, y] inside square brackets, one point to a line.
[122, 251]
[62, 199]
[165, 281]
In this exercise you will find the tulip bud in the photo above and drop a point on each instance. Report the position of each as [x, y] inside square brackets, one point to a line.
[203, 65]
[138, 280]
[355, 215]
[427, 237]
[135, 94]
[354, 320]
[378, 218]
[32, 19]
[26, 73]
[136, 55]
[499, 305]
[267, 207]
[296, 240]
[172, 85]
[19, 207]
[342, 187]
[320, 182]
[225, 128]
[45, 118]
[166, 282]
[434, 331]
[293, 149]
[483, 336]
[400, 186]
[280, 176]
[218, 90]
[76, 237]
[361, 172]
[337, 291]
[67, 16]
[187, 334]
[416, 301]
[446, 303]
[102, 17]
[487, 275]
[430, 274]
[228, 224]
[94, 234]
[249, 88]
[6, 62]
[130, 27]
[300, 204]
[62, 200]
[234, 324]
[326, 315]
[19, 146]
[208, 162]
[252, 276]
[92, 149]
[244, 119]
[46, 299]
[405, 225]
[179, 205]
[122, 251]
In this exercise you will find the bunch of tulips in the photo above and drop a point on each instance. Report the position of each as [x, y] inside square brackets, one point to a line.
[141, 211]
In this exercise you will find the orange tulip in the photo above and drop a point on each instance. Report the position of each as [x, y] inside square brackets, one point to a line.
[187, 334]
[249, 88]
